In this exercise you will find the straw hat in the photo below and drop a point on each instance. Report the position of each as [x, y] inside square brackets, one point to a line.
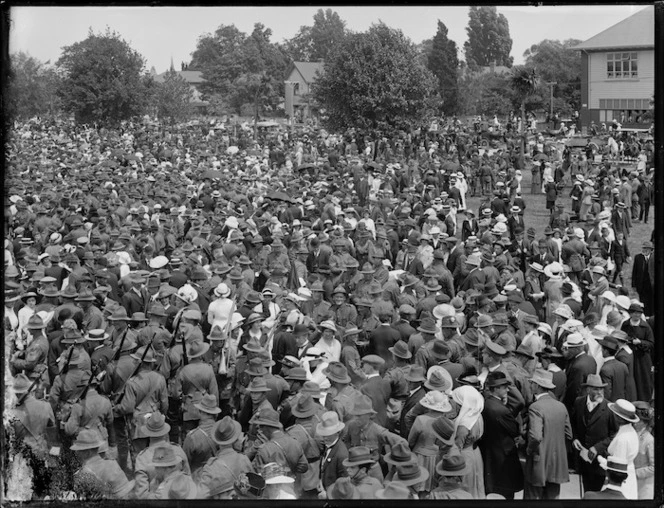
[436, 401]
[625, 410]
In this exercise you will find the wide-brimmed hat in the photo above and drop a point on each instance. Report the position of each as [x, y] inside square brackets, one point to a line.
[549, 352]
[609, 342]
[305, 406]
[400, 349]
[329, 325]
[411, 474]
[438, 379]
[594, 381]
[337, 372]
[253, 345]
[31, 294]
[613, 463]
[394, 490]
[453, 465]
[497, 378]
[255, 367]
[119, 314]
[436, 401]
[164, 456]
[268, 417]
[257, 385]
[72, 336]
[296, 373]
[343, 488]
[226, 431]
[400, 454]
[358, 456]
[415, 374]
[624, 409]
[574, 340]
[155, 426]
[643, 410]
[362, 405]
[427, 326]
[183, 487]
[525, 350]
[35, 323]
[87, 439]
[329, 424]
[208, 404]
[543, 378]
[196, 349]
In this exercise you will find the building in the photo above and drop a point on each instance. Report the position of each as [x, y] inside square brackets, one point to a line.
[298, 82]
[618, 72]
[194, 79]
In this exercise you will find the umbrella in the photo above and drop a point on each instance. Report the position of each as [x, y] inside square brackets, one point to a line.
[541, 157]
[212, 174]
[279, 196]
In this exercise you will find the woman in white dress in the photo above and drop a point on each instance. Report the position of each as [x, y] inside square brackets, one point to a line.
[625, 443]
[468, 429]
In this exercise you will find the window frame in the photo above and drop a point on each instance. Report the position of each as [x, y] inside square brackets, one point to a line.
[622, 65]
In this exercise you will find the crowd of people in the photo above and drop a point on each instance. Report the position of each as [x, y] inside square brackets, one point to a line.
[311, 316]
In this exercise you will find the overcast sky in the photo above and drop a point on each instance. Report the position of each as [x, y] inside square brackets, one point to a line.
[162, 33]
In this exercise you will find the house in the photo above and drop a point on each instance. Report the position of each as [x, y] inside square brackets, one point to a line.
[298, 82]
[194, 79]
[618, 72]
[486, 69]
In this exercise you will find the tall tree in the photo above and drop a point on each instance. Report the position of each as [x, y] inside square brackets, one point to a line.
[237, 68]
[172, 97]
[375, 81]
[103, 79]
[488, 38]
[313, 43]
[524, 81]
[444, 63]
[31, 87]
[555, 61]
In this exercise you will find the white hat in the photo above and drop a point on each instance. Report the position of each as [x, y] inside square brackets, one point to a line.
[575, 340]
[222, 290]
[158, 262]
[609, 295]
[434, 230]
[623, 301]
[232, 222]
[578, 232]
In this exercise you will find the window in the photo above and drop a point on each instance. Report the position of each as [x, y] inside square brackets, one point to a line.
[296, 89]
[622, 65]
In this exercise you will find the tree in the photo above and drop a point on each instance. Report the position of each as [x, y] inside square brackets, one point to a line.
[555, 61]
[103, 79]
[443, 62]
[172, 97]
[524, 81]
[31, 87]
[486, 93]
[312, 43]
[375, 81]
[236, 67]
[489, 38]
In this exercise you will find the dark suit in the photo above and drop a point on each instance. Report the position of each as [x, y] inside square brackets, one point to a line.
[331, 465]
[475, 279]
[502, 468]
[314, 261]
[577, 371]
[410, 403]
[378, 390]
[134, 302]
[592, 429]
[643, 280]
[628, 359]
[614, 373]
[380, 340]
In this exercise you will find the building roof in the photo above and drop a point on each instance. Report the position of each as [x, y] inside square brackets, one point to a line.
[637, 31]
[307, 70]
[191, 77]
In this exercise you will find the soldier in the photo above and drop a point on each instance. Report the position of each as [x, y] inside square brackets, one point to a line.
[32, 417]
[253, 405]
[307, 416]
[341, 394]
[227, 466]
[32, 360]
[195, 377]
[156, 430]
[321, 309]
[143, 393]
[100, 348]
[93, 411]
[221, 357]
[198, 444]
[168, 467]
[92, 316]
[157, 316]
[344, 313]
[67, 387]
[72, 339]
[273, 445]
[108, 479]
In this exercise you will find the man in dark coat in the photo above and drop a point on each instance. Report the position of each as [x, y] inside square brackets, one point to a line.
[375, 387]
[642, 344]
[502, 469]
[613, 372]
[416, 392]
[593, 427]
[579, 365]
[333, 449]
[643, 277]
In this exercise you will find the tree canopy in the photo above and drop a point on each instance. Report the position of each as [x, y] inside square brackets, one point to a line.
[241, 69]
[555, 61]
[31, 87]
[488, 38]
[172, 97]
[312, 43]
[375, 80]
[103, 79]
[443, 62]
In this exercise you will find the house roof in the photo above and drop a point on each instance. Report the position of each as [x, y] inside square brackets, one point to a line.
[637, 31]
[191, 77]
[307, 70]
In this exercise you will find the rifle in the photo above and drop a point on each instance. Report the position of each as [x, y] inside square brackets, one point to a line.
[25, 395]
[65, 369]
[184, 350]
[117, 352]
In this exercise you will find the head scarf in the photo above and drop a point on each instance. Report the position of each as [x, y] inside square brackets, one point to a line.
[472, 404]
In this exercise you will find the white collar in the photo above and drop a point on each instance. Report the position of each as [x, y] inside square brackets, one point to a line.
[375, 374]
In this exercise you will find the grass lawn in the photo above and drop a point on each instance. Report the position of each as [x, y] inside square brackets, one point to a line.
[537, 216]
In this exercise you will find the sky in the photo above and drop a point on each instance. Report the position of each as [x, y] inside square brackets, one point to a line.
[162, 33]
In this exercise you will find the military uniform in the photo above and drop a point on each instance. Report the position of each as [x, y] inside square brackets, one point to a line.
[94, 412]
[144, 393]
[282, 449]
[321, 312]
[303, 432]
[144, 471]
[194, 377]
[32, 417]
[199, 446]
[66, 388]
[225, 467]
[33, 359]
[342, 402]
[108, 473]
[344, 314]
